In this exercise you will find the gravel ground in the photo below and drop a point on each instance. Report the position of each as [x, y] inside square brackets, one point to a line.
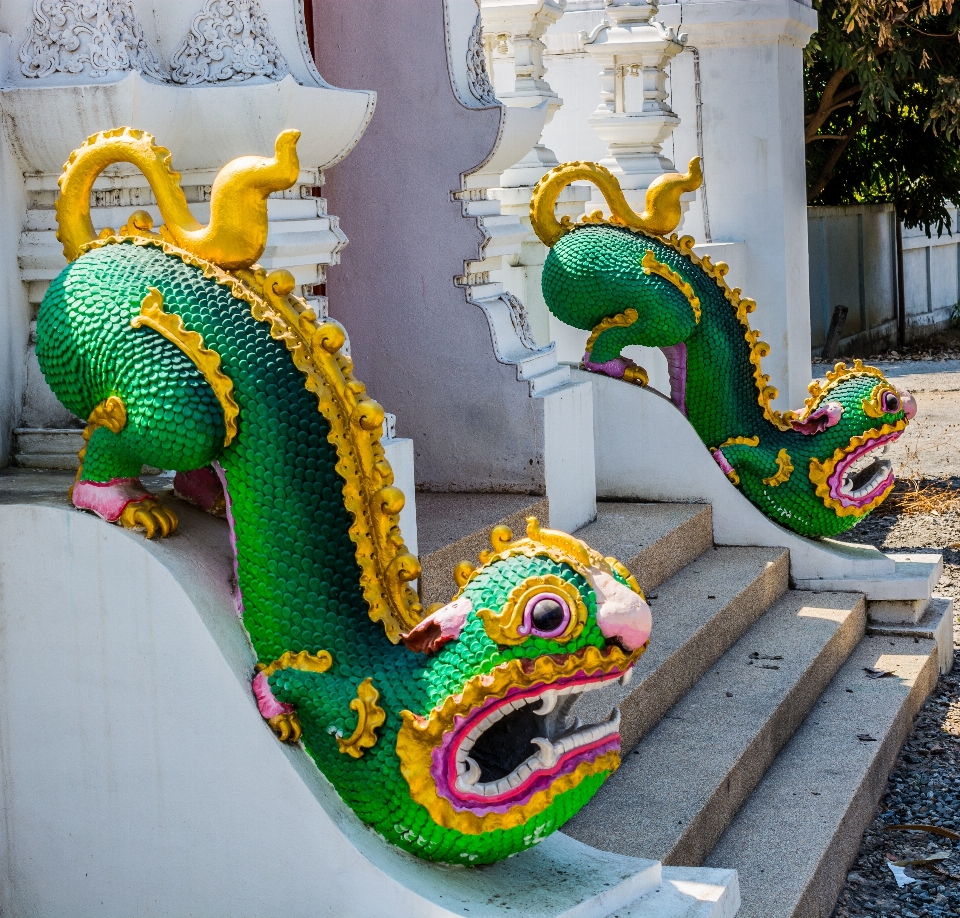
[924, 787]
[925, 784]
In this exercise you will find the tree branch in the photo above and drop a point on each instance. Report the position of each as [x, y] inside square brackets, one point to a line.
[827, 103]
[830, 166]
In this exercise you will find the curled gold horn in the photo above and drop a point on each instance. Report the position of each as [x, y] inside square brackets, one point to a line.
[662, 207]
[236, 235]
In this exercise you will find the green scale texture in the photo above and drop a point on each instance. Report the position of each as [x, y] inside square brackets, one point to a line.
[595, 272]
[297, 571]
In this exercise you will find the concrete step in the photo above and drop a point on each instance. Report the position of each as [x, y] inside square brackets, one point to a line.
[653, 540]
[796, 837]
[453, 527]
[697, 614]
[677, 792]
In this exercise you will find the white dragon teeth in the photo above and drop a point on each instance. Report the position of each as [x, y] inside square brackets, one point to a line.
[550, 698]
[548, 753]
[469, 776]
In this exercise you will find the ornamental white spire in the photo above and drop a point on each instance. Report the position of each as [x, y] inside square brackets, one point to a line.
[631, 43]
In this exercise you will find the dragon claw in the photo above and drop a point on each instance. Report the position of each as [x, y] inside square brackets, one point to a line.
[151, 516]
[286, 727]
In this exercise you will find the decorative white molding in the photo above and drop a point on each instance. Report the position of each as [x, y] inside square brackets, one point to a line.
[480, 86]
[92, 37]
[521, 322]
[229, 41]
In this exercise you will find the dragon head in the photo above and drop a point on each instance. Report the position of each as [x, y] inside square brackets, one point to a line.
[856, 415]
[492, 758]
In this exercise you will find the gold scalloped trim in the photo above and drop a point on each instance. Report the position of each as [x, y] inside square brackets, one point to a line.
[742, 306]
[419, 736]
[171, 327]
[356, 425]
[784, 470]
[503, 625]
[304, 661]
[551, 543]
[650, 265]
[820, 472]
[834, 377]
[740, 441]
[370, 716]
[621, 320]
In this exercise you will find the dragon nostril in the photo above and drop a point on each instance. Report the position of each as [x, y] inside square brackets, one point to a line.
[909, 405]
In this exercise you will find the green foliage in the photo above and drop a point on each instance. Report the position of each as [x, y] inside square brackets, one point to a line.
[883, 107]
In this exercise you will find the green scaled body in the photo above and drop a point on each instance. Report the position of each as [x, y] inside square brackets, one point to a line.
[802, 470]
[299, 580]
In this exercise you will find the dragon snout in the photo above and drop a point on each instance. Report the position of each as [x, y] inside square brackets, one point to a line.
[909, 405]
[621, 613]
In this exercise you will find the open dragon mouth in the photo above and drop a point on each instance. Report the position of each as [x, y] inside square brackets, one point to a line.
[857, 478]
[511, 746]
[504, 748]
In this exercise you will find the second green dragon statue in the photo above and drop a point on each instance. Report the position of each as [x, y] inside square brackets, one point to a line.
[445, 730]
[630, 280]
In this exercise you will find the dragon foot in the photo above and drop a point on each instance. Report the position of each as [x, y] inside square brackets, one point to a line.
[286, 727]
[151, 516]
[201, 488]
[281, 718]
[125, 501]
[619, 368]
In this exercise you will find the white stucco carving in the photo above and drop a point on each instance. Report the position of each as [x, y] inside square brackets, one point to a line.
[521, 322]
[95, 37]
[480, 85]
[229, 41]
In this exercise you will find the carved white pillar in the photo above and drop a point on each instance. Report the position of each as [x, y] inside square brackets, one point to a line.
[629, 43]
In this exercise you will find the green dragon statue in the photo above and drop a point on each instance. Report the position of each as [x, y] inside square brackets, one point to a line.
[817, 471]
[444, 729]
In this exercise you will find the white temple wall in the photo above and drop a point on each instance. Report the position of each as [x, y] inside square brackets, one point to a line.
[421, 284]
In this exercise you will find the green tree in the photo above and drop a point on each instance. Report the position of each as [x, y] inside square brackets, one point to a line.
[882, 117]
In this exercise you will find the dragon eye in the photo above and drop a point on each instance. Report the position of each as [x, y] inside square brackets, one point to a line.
[890, 402]
[546, 615]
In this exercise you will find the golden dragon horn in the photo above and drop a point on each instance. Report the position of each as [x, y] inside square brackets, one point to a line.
[661, 214]
[236, 235]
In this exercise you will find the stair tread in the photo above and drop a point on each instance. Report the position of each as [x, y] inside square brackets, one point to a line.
[453, 527]
[654, 540]
[678, 790]
[697, 614]
[794, 839]
[443, 519]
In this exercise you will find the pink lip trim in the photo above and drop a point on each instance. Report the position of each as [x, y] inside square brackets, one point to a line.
[577, 755]
[444, 767]
[836, 479]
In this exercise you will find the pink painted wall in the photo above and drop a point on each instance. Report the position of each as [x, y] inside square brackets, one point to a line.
[424, 352]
